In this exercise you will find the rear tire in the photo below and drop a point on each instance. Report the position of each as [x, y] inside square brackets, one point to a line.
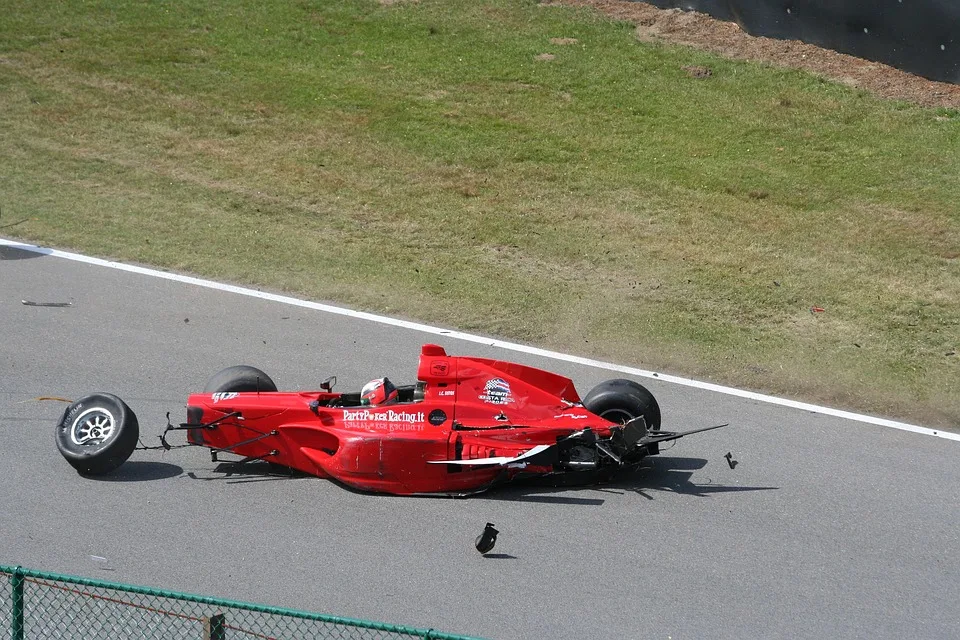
[97, 433]
[239, 378]
[622, 400]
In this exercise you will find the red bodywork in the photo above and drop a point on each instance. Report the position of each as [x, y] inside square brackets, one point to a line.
[464, 408]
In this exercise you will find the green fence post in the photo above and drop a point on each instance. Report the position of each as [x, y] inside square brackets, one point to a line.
[16, 582]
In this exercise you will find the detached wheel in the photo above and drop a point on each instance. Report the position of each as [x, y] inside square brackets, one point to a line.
[622, 400]
[97, 434]
[239, 378]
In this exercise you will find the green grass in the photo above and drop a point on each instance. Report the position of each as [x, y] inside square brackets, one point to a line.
[423, 159]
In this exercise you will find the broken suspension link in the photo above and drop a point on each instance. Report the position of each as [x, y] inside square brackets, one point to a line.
[184, 426]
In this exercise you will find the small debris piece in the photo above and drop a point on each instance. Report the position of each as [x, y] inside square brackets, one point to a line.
[31, 303]
[817, 309]
[487, 539]
[730, 461]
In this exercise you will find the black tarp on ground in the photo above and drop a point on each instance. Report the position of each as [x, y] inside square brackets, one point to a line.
[919, 36]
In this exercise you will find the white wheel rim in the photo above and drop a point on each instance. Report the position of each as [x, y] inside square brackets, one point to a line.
[93, 426]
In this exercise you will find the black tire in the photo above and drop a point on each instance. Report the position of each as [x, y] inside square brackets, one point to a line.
[239, 378]
[97, 434]
[623, 400]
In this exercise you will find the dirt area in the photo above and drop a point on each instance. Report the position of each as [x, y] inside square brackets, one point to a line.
[727, 39]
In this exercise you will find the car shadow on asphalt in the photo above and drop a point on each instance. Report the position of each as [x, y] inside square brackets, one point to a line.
[657, 474]
[142, 471]
[676, 475]
[255, 471]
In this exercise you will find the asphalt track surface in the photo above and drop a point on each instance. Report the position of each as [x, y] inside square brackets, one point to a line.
[826, 527]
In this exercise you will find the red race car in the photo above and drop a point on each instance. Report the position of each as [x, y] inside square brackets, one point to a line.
[466, 425]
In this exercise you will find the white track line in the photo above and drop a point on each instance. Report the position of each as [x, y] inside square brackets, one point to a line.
[468, 337]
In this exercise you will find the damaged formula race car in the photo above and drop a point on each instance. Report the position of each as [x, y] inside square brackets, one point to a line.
[466, 425]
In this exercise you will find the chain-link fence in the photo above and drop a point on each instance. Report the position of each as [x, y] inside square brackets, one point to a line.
[36, 604]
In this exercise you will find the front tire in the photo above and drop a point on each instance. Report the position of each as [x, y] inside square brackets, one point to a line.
[97, 433]
[239, 378]
[622, 400]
